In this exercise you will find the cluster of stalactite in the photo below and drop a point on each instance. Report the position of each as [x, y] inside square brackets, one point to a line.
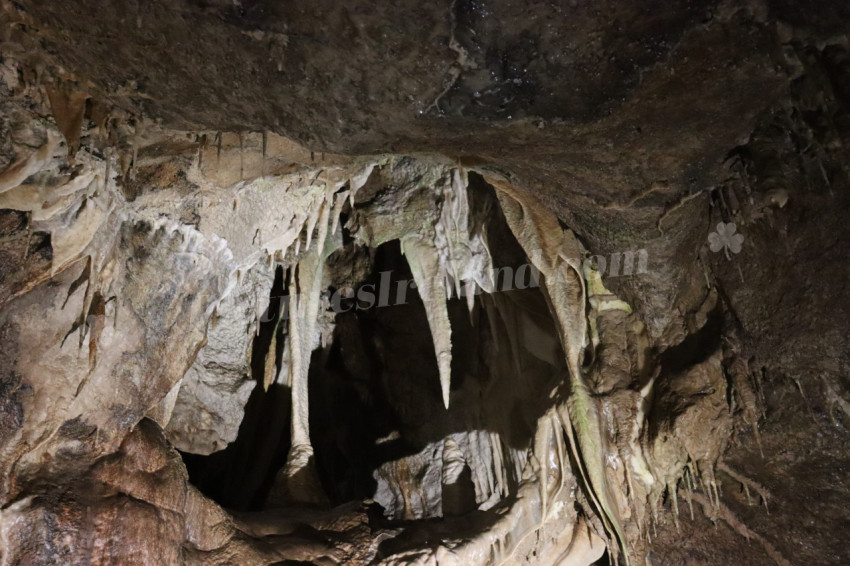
[163, 288]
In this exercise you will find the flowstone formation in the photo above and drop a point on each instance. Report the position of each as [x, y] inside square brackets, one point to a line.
[531, 287]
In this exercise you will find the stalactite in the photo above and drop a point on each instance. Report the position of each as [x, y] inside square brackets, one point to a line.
[339, 202]
[477, 478]
[672, 489]
[463, 257]
[300, 481]
[557, 254]
[270, 367]
[487, 461]
[317, 209]
[428, 274]
[18, 172]
[357, 181]
[689, 492]
[498, 464]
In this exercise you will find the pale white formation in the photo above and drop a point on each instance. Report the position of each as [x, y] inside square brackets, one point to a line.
[425, 265]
